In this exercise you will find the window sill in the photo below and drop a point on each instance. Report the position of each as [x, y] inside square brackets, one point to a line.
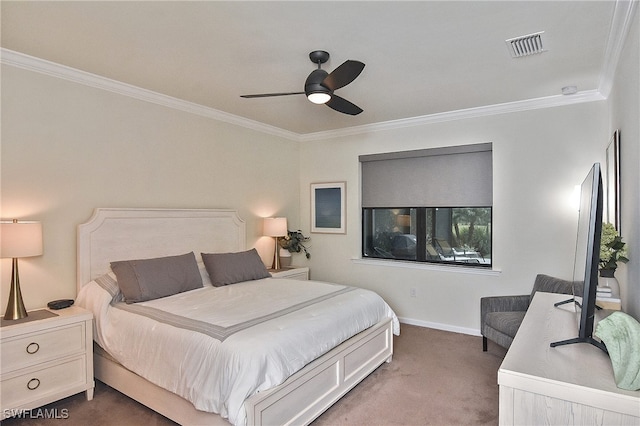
[428, 266]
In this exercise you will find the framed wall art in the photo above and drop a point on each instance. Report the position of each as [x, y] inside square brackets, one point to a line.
[328, 208]
[612, 209]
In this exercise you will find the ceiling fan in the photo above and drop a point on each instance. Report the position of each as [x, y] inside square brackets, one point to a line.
[320, 85]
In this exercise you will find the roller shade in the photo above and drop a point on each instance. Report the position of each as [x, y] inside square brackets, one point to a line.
[459, 176]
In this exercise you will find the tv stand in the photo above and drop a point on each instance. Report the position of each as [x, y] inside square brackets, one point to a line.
[568, 384]
[564, 302]
[573, 299]
[589, 340]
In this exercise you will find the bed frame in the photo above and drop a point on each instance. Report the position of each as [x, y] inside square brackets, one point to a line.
[119, 234]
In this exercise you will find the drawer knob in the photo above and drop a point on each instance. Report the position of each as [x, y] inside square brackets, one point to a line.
[33, 384]
[32, 348]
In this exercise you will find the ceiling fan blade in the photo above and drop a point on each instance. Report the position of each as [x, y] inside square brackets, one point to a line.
[343, 75]
[268, 95]
[342, 105]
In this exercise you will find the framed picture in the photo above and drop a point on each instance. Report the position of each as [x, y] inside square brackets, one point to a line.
[613, 181]
[328, 208]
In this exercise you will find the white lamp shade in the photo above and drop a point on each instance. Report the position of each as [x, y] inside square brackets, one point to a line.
[21, 239]
[275, 226]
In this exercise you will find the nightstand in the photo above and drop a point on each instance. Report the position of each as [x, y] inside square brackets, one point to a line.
[292, 273]
[612, 303]
[45, 359]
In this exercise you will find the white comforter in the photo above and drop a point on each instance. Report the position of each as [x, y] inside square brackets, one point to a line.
[219, 374]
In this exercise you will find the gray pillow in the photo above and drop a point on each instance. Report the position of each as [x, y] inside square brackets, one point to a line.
[231, 268]
[148, 279]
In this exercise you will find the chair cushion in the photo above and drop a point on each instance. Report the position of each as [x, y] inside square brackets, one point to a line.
[497, 337]
[505, 322]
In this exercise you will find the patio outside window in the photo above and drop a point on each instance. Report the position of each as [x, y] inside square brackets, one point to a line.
[459, 236]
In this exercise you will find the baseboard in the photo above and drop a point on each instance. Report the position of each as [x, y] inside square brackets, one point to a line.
[438, 326]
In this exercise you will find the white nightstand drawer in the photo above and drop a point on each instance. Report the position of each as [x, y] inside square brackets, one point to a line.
[45, 358]
[42, 346]
[291, 273]
[299, 276]
[42, 381]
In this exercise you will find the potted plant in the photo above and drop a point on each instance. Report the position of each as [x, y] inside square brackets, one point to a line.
[294, 242]
[612, 251]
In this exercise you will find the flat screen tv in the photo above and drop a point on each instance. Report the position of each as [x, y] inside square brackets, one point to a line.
[587, 255]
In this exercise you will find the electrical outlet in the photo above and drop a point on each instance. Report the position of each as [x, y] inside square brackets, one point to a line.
[412, 292]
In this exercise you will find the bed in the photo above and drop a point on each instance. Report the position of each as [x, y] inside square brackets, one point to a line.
[316, 379]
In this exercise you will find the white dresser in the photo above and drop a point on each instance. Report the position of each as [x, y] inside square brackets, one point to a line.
[44, 360]
[565, 385]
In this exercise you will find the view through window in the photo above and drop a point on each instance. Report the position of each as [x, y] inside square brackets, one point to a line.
[456, 235]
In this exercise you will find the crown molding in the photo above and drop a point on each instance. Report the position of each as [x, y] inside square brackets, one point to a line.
[620, 25]
[52, 69]
[463, 114]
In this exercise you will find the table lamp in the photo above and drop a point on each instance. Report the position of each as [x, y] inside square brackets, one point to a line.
[19, 239]
[275, 227]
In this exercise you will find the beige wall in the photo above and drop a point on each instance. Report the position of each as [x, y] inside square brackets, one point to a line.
[625, 115]
[68, 148]
[539, 157]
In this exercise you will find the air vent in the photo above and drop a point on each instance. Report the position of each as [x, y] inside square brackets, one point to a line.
[525, 45]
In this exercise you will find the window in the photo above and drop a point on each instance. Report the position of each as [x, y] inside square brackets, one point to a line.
[430, 205]
[439, 235]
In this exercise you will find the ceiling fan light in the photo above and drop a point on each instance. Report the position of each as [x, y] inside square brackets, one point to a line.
[319, 97]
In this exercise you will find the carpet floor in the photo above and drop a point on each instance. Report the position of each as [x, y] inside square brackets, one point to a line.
[435, 378]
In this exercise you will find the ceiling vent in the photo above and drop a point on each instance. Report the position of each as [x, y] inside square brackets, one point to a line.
[525, 45]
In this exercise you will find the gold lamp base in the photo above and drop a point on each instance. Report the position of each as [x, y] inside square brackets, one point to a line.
[15, 307]
[276, 256]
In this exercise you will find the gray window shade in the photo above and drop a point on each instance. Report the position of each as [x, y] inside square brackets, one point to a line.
[460, 176]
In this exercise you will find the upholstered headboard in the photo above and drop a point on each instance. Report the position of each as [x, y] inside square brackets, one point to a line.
[120, 234]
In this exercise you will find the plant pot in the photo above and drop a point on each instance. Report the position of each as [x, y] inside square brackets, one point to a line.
[607, 279]
[285, 258]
